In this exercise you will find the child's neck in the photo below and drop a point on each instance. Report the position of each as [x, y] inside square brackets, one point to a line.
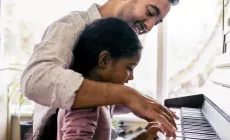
[94, 76]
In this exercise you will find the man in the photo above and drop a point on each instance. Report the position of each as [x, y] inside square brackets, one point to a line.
[48, 81]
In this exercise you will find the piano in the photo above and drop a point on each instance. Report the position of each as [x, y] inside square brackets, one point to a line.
[206, 116]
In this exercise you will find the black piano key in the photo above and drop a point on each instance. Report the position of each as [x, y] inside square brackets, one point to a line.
[190, 116]
[192, 109]
[197, 139]
[192, 126]
[196, 110]
[198, 128]
[203, 120]
[189, 111]
[199, 131]
[195, 123]
[193, 117]
[201, 136]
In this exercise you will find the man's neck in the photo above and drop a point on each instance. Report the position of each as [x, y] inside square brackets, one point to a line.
[108, 9]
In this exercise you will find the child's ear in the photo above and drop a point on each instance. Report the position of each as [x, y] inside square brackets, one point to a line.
[103, 59]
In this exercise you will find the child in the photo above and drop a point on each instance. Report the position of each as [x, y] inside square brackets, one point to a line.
[107, 50]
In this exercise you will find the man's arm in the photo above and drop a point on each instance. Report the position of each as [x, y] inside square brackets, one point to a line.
[92, 93]
[47, 80]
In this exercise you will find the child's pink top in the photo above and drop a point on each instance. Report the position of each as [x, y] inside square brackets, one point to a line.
[84, 124]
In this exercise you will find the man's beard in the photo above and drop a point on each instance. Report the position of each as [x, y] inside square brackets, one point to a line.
[137, 25]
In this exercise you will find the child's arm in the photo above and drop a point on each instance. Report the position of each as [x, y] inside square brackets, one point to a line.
[79, 124]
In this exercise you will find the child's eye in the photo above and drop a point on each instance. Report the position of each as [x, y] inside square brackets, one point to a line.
[129, 68]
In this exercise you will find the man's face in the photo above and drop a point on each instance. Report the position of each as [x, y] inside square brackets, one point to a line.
[142, 15]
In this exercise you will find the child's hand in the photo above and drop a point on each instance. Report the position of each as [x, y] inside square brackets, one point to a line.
[151, 131]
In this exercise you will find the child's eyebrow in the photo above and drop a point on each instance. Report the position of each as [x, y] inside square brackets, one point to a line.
[132, 64]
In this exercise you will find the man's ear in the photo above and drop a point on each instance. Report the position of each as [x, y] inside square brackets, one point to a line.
[103, 59]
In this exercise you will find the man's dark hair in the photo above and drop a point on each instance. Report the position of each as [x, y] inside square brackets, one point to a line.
[174, 2]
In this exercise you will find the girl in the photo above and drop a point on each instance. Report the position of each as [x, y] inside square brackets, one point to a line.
[107, 50]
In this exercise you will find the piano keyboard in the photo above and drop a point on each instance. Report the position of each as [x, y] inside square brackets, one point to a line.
[193, 125]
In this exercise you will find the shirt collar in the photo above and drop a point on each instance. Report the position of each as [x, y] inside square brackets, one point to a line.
[93, 12]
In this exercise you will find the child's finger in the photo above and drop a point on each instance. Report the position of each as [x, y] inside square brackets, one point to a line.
[152, 124]
[154, 129]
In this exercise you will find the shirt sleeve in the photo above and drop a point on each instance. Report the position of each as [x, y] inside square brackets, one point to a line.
[80, 124]
[120, 109]
[47, 79]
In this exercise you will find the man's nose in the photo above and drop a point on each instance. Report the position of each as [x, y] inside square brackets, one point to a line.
[149, 23]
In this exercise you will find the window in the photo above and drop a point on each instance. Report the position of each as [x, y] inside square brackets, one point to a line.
[194, 40]
[24, 22]
[145, 72]
[227, 24]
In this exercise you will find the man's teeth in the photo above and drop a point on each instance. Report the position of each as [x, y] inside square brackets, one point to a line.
[139, 29]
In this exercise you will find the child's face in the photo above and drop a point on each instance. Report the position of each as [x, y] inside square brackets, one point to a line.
[118, 71]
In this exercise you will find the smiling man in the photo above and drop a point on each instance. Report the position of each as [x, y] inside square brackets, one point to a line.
[142, 15]
[48, 81]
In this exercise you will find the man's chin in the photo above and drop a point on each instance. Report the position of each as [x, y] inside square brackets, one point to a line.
[141, 33]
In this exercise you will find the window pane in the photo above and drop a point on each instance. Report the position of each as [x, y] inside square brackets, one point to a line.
[194, 39]
[24, 22]
[145, 72]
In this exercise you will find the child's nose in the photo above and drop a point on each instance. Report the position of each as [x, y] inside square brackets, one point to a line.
[131, 77]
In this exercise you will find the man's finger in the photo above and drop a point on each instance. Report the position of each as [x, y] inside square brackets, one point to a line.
[165, 123]
[169, 112]
[170, 119]
[169, 116]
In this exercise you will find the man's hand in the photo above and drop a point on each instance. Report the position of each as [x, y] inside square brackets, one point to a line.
[92, 94]
[148, 109]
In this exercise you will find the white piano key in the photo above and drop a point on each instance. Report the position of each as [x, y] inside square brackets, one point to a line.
[161, 136]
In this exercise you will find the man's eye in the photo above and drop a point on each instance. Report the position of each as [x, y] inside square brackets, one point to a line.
[149, 13]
